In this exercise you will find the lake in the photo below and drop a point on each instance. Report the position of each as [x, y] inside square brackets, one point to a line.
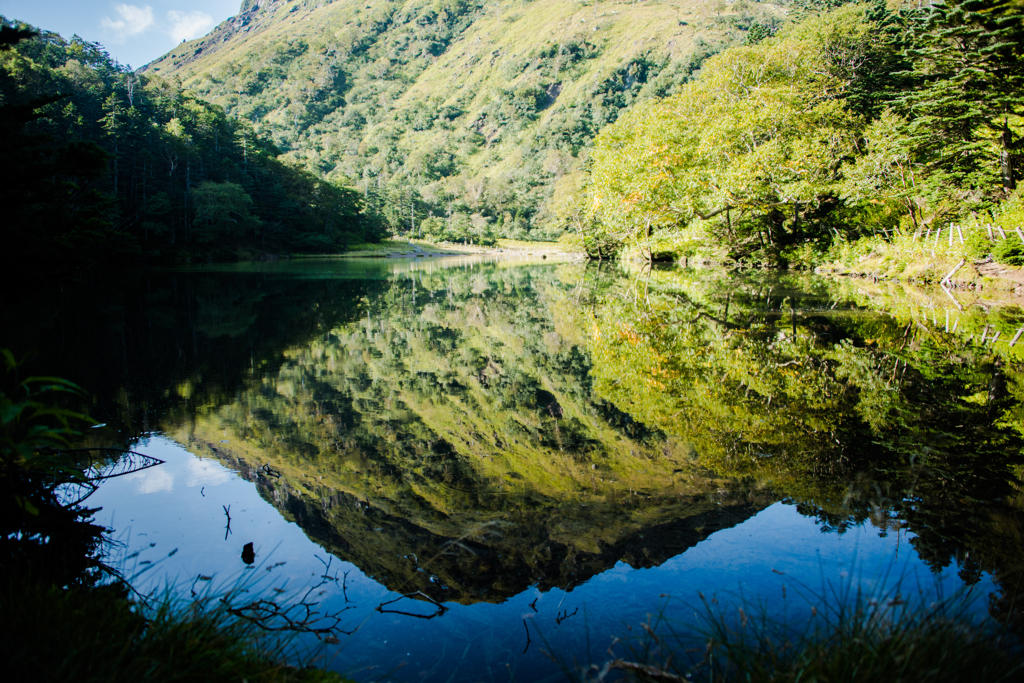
[544, 456]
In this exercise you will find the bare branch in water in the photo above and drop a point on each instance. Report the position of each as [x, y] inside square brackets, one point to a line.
[227, 529]
[299, 617]
[441, 609]
[562, 616]
[647, 671]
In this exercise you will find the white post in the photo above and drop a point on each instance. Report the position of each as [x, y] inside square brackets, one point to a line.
[1017, 336]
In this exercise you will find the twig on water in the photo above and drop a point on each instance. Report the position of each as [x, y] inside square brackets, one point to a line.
[562, 616]
[327, 577]
[441, 609]
[227, 529]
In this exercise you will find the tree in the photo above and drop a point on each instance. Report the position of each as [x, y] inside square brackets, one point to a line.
[889, 171]
[222, 211]
[759, 137]
[965, 115]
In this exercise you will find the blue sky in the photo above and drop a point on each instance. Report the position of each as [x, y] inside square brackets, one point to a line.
[134, 32]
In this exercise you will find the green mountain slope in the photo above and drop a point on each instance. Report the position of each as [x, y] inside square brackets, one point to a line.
[445, 107]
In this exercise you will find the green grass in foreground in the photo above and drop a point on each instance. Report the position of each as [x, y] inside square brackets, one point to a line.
[876, 640]
[95, 634]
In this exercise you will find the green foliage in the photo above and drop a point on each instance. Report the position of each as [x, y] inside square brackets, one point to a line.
[29, 421]
[858, 122]
[39, 535]
[1010, 215]
[969, 62]
[759, 138]
[1009, 251]
[98, 635]
[467, 107]
[102, 165]
[222, 211]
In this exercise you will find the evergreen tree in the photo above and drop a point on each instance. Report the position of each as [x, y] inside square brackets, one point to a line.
[969, 57]
[102, 165]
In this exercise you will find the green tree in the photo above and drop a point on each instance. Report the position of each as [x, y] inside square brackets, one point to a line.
[756, 142]
[965, 115]
[222, 211]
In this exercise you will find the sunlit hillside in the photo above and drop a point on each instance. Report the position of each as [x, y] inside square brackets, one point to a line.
[442, 106]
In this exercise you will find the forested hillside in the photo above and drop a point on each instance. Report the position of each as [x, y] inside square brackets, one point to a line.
[453, 116]
[101, 165]
[885, 122]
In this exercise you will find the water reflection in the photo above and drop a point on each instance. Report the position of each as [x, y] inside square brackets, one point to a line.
[492, 433]
[854, 416]
[449, 442]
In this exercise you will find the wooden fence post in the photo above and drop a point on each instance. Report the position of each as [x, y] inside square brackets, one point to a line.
[1017, 336]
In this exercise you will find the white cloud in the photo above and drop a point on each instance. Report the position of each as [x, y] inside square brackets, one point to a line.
[206, 473]
[133, 21]
[152, 480]
[188, 25]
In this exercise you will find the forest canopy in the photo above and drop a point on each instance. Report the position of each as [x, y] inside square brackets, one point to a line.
[857, 122]
[101, 164]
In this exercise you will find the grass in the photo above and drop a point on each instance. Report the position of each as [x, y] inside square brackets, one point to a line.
[412, 247]
[97, 634]
[848, 638]
[392, 248]
[926, 259]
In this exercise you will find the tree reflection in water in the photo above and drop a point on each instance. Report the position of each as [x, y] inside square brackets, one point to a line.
[465, 433]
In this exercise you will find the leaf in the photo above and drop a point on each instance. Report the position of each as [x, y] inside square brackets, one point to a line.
[26, 505]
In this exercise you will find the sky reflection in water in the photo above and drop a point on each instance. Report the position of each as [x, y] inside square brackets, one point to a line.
[179, 505]
[464, 432]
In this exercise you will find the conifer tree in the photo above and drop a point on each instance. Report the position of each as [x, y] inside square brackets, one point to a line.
[969, 56]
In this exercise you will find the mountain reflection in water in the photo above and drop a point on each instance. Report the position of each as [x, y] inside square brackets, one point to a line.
[474, 431]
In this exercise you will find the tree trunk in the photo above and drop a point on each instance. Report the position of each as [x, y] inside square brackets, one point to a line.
[1006, 159]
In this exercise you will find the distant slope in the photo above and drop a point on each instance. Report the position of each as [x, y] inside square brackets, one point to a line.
[442, 106]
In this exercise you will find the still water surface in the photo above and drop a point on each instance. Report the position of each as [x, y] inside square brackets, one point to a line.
[549, 452]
